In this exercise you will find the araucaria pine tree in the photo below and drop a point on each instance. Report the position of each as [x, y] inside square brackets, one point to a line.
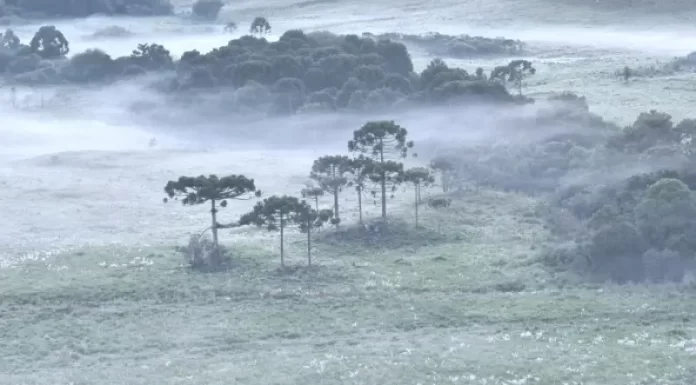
[514, 72]
[260, 26]
[313, 219]
[312, 192]
[332, 173]
[202, 189]
[279, 212]
[418, 177]
[383, 141]
[358, 168]
[446, 167]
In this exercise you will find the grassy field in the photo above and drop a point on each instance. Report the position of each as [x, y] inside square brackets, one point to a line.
[468, 305]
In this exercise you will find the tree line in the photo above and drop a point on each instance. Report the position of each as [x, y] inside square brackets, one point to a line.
[377, 148]
[619, 203]
[298, 73]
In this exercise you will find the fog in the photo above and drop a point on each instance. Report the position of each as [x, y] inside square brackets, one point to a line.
[91, 177]
[80, 168]
[511, 269]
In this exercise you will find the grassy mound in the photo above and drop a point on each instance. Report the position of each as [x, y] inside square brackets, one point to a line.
[391, 234]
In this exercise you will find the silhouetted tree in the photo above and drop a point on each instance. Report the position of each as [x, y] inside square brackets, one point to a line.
[382, 140]
[396, 57]
[313, 219]
[520, 69]
[500, 74]
[446, 167]
[359, 167]
[231, 27]
[332, 174]
[9, 40]
[152, 57]
[432, 70]
[514, 72]
[418, 176]
[88, 66]
[313, 192]
[202, 189]
[49, 43]
[626, 73]
[276, 213]
[260, 26]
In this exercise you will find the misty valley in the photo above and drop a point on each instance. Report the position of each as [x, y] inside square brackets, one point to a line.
[315, 192]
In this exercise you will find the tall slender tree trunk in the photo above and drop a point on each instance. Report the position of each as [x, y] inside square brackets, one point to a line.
[417, 192]
[316, 205]
[282, 250]
[384, 196]
[213, 212]
[359, 189]
[215, 257]
[383, 176]
[335, 192]
[309, 242]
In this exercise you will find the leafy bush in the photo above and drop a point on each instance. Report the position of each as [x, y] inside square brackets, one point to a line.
[200, 254]
[463, 46]
[640, 229]
[654, 130]
[667, 210]
[390, 234]
[615, 241]
[111, 32]
[664, 266]
[597, 201]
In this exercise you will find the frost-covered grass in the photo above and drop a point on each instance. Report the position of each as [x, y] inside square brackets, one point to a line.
[469, 305]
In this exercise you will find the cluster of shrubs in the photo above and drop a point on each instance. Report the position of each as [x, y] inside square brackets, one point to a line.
[534, 153]
[460, 47]
[563, 141]
[676, 65]
[639, 229]
[43, 62]
[298, 73]
[609, 216]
